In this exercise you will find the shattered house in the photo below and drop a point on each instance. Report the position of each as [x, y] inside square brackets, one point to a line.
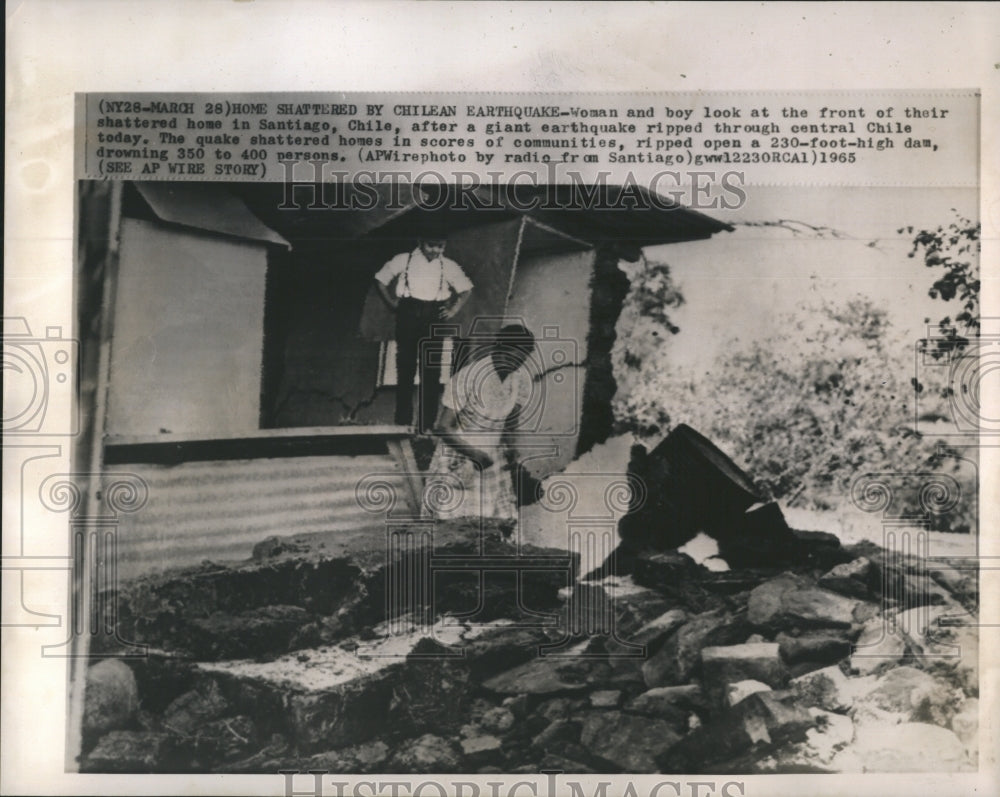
[266, 595]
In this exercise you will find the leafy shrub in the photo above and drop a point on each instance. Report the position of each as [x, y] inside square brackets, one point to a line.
[805, 411]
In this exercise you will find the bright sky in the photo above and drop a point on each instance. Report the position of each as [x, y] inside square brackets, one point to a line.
[738, 283]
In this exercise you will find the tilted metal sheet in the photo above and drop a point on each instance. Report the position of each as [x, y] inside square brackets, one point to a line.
[219, 510]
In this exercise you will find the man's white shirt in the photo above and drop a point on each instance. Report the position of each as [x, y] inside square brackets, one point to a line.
[420, 278]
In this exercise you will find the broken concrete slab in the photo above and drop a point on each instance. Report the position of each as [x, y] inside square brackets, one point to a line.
[242, 635]
[732, 663]
[739, 691]
[821, 647]
[330, 696]
[205, 611]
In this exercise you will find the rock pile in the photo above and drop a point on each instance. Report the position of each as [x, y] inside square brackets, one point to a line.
[752, 670]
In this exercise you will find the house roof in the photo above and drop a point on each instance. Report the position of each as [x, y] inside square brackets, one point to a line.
[630, 216]
[209, 207]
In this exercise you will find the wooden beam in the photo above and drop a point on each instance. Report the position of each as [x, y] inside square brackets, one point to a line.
[401, 449]
[171, 449]
[313, 432]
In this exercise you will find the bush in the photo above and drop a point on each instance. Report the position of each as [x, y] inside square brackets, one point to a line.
[805, 412]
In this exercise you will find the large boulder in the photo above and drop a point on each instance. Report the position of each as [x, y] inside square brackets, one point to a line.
[944, 639]
[760, 722]
[907, 747]
[855, 579]
[111, 697]
[817, 753]
[680, 655]
[362, 758]
[424, 755]
[675, 704]
[789, 600]
[189, 712]
[906, 694]
[878, 647]
[827, 689]
[538, 677]
[132, 752]
[628, 742]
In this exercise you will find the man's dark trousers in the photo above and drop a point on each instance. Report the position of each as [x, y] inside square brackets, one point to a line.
[415, 343]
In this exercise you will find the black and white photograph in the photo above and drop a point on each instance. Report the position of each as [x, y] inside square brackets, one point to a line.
[484, 489]
[469, 441]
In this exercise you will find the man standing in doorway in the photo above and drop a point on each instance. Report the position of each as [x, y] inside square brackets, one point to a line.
[424, 288]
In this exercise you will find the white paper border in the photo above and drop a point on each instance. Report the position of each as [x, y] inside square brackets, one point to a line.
[58, 47]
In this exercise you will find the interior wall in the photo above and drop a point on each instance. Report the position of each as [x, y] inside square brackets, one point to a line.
[552, 297]
[329, 372]
[188, 331]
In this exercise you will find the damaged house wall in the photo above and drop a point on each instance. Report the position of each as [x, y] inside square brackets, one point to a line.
[552, 295]
[306, 274]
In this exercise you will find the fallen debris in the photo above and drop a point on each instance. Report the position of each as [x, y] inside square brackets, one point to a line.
[446, 649]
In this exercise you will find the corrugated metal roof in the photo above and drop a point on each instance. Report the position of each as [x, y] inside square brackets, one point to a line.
[218, 510]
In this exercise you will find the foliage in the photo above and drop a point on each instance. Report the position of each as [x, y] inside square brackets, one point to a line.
[955, 249]
[639, 352]
[804, 410]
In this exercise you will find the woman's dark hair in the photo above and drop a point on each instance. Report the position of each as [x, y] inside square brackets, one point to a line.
[516, 336]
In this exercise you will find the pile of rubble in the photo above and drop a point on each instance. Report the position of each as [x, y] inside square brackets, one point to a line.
[811, 658]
